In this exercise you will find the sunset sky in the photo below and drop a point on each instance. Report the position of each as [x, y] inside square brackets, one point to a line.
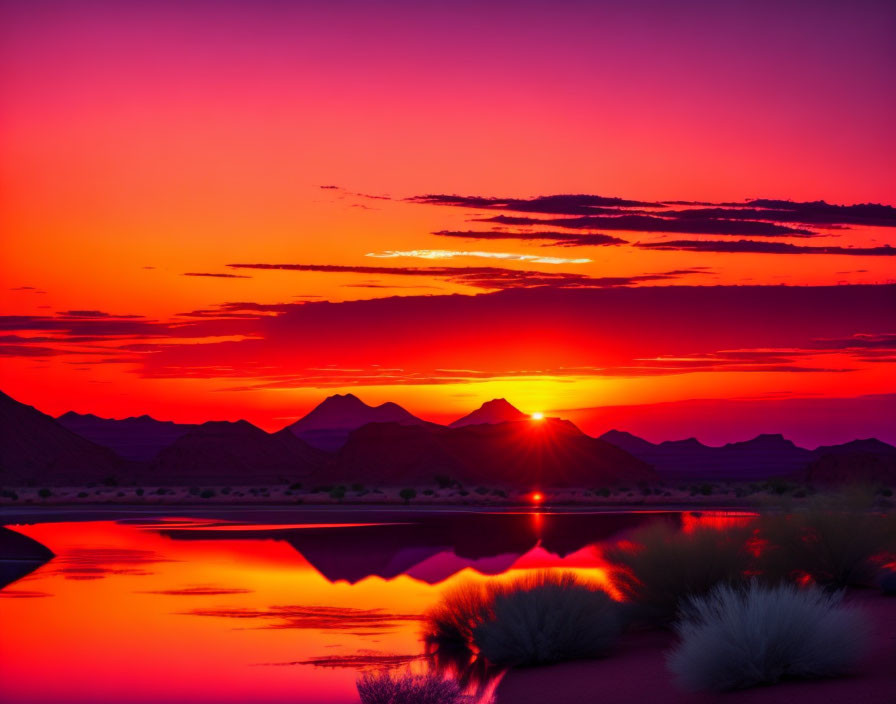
[601, 210]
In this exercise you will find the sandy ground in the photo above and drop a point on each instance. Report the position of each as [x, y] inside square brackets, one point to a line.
[636, 674]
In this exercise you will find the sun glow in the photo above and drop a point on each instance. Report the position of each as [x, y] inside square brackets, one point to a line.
[538, 415]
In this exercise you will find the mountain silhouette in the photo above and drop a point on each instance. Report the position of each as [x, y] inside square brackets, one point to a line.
[525, 453]
[235, 453]
[328, 425]
[35, 449]
[136, 438]
[760, 458]
[857, 461]
[497, 410]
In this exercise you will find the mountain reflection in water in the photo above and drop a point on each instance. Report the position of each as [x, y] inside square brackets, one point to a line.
[263, 606]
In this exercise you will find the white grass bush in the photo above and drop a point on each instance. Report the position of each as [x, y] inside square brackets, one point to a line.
[384, 687]
[733, 638]
[548, 620]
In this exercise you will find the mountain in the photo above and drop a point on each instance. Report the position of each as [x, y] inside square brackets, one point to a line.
[134, 438]
[36, 450]
[497, 410]
[328, 425]
[221, 452]
[760, 458]
[548, 453]
[857, 461]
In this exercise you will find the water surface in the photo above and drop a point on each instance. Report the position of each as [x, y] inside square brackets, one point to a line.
[260, 605]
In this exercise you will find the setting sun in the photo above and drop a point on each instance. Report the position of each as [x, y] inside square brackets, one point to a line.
[538, 415]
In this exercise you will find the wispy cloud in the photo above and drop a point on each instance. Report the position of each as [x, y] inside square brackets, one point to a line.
[451, 254]
[765, 248]
[485, 277]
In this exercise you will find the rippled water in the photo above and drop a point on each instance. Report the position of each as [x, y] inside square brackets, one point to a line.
[260, 605]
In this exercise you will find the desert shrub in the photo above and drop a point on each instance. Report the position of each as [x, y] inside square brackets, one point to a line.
[734, 638]
[9, 494]
[44, 493]
[383, 687]
[82, 494]
[407, 494]
[337, 493]
[885, 492]
[547, 621]
[443, 481]
[603, 491]
[428, 492]
[195, 491]
[661, 566]
[450, 623]
[207, 493]
[160, 491]
[357, 486]
[139, 492]
[295, 486]
[499, 492]
[834, 540]
[540, 618]
[110, 481]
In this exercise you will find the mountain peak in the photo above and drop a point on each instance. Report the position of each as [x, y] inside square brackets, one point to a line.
[498, 410]
[347, 412]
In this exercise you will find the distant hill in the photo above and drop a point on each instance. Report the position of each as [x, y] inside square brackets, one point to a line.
[760, 458]
[763, 457]
[138, 438]
[328, 425]
[548, 453]
[497, 410]
[857, 461]
[239, 453]
[36, 450]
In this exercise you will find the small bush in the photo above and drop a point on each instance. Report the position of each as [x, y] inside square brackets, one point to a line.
[662, 566]
[407, 494]
[548, 621]
[295, 486]
[207, 493]
[44, 493]
[9, 494]
[82, 494]
[443, 481]
[357, 486]
[540, 618]
[736, 638]
[195, 491]
[337, 493]
[383, 687]
[110, 481]
[139, 492]
[834, 540]
[428, 492]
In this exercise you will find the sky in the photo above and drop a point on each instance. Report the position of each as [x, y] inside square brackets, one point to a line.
[672, 218]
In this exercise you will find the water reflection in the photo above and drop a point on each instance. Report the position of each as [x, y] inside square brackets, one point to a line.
[263, 606]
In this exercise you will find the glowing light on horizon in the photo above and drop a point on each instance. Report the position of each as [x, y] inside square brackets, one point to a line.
[538, 415]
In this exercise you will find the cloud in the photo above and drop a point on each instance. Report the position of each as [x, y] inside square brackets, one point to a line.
[217, 276]
[562, 204]
[564, 239]
[651, 223]
[451, 254]
[752, 246]
[563, 331]
[490, 278]
[761, 217]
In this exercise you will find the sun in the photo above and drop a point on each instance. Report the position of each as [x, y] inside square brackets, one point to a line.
[538, 415]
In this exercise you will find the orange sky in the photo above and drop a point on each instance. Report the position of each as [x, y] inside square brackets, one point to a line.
[143, 143]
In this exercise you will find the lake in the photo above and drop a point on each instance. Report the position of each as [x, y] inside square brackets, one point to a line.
[261, 605]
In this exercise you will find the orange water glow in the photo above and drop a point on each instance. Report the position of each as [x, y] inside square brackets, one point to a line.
[129, 613]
